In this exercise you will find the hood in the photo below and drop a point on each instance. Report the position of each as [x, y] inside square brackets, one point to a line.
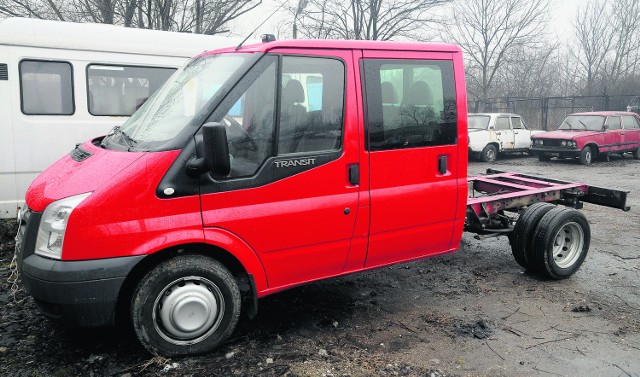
[84, 172]
[563, 134]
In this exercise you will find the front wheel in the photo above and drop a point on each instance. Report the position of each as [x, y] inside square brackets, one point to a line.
[187, 305]
[586, 156]
[489, 153]
[560, 243]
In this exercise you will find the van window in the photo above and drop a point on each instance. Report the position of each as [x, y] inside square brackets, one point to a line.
[46, 87]
[120, 90]
[410, 103]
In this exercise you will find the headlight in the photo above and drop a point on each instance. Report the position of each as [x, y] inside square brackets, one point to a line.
[538, 141]
[563, 143]
[54, 224]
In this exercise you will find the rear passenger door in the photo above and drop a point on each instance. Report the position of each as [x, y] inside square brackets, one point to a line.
[631, 131]
[521, 136]
[504, 134]
[413, 154]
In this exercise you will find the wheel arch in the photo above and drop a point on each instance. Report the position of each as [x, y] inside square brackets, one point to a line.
[595, 149]
[242, 262]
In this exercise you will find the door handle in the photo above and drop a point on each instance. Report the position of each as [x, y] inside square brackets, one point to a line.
[442, 165]
[354, 174]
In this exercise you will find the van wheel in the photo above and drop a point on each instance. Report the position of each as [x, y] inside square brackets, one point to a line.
[561, 243]
[187, 305]
[636, 154]
[489, 153]
[522, 235]
[586, 156]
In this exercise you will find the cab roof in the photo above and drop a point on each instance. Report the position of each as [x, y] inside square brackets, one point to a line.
[334, 44]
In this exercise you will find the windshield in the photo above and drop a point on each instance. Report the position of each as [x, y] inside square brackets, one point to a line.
[583, 123]
[173, 106]
[478, 122]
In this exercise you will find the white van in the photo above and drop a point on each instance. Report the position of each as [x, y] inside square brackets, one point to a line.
[62, 83]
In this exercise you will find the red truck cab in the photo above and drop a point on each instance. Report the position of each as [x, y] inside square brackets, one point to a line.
[251, 171]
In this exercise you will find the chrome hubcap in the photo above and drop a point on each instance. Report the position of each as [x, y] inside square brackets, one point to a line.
[567, 245]
[188, 310]
[587, 156]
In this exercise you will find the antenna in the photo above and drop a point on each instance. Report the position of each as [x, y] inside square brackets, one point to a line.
[257, 27]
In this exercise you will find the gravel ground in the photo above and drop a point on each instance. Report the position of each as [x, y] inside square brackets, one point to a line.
[471, 313]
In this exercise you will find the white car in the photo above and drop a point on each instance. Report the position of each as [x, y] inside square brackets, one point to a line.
[493, 133]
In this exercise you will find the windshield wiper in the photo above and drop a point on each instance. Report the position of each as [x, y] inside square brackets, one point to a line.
[585, 126]
[128, 140]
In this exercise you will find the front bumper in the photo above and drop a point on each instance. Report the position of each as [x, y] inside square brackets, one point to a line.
[556, 151]
[79, 293]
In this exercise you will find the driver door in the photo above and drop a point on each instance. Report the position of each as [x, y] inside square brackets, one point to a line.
[288, 195]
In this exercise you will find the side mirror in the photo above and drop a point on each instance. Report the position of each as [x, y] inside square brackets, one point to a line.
[216, 148]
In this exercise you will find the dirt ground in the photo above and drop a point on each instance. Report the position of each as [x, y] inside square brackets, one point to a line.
[471, 313]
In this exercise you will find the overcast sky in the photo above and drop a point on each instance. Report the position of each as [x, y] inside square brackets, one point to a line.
[563, 12]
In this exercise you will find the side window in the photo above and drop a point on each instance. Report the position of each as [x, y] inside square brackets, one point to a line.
[630, 122]
[516, 123]
[46, 88]
[410, 103]
[502, 124]
[614, 123]
[311, 104]
[121, 90]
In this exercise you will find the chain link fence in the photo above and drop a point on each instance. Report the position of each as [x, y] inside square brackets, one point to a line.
[547, 113]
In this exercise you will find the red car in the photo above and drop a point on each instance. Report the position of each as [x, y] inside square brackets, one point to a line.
[588, 135]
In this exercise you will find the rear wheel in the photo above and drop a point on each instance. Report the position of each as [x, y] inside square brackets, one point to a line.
[636, 154]
[489, 153]
[187, 305]
[522, 235]
[586, 155]
[560, 243]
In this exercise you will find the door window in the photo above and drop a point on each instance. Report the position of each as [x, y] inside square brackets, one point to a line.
[516, 123]
[614, 123]
[502, 124]
[309, 116]
[630, 122]
[410, 103]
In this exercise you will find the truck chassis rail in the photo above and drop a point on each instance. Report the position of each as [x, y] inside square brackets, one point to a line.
[492, 194]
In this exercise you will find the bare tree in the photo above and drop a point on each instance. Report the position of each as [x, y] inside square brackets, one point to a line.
[194, 16]
[489, 30]
[365, 19]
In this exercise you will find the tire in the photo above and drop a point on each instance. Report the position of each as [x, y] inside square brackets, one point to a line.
[543, 157]
[560, 243]
[636, 154]
[489, 153]
[522, 235]
[187, 305]
[586, 155]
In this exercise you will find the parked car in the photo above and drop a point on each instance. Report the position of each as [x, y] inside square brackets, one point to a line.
[493, 133]
[588, 135]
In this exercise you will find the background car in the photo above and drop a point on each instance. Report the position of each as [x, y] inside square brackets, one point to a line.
[587, 135]
[493, 133]
[634, 105]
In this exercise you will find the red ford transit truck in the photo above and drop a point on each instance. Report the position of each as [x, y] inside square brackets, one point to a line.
[259, 168]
